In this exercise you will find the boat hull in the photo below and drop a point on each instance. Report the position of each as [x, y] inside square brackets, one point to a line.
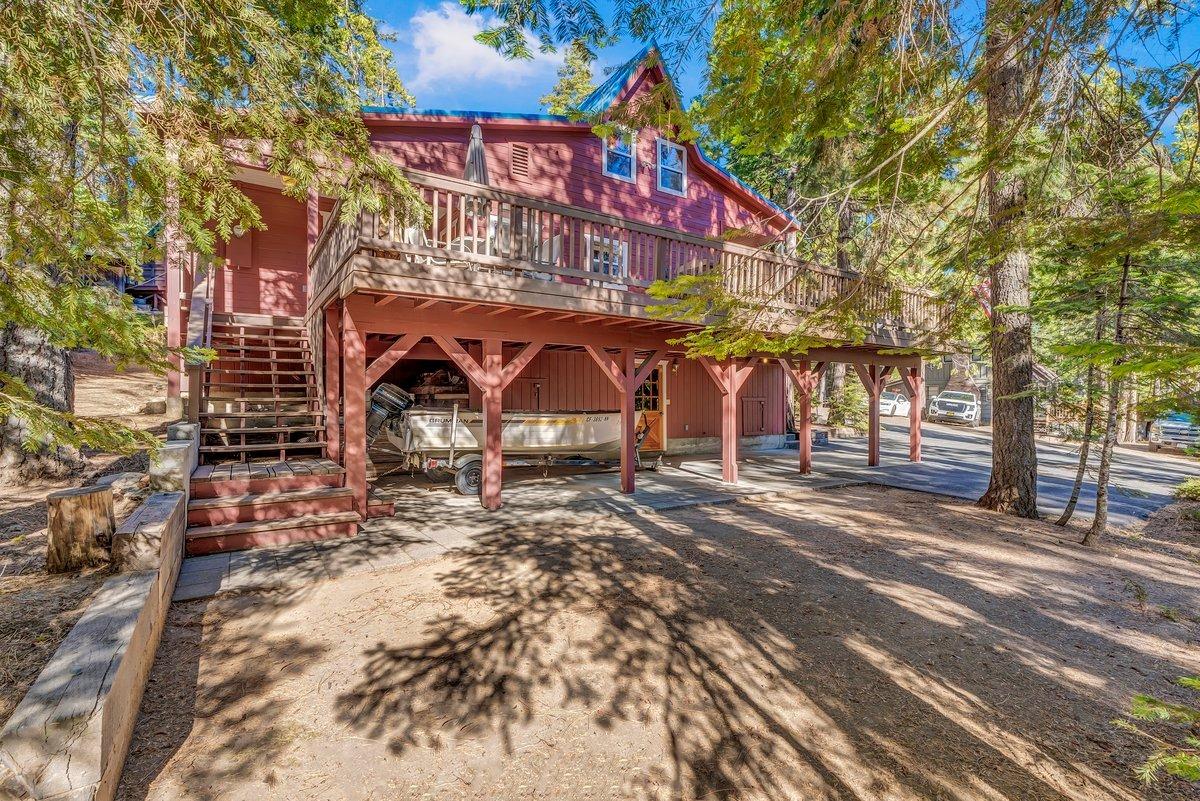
[427, 432]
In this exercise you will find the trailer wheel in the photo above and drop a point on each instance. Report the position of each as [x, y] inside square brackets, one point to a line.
[469, 479]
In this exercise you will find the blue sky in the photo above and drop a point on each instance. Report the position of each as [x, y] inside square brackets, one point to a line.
[445, 68]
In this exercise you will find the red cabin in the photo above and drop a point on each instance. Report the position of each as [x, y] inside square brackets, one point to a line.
[527, 282]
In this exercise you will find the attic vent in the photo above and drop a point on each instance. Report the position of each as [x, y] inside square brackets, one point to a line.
[520, 160]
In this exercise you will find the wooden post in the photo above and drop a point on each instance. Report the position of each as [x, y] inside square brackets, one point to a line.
[333, 383]
[493, 457]
[914, 380]
[312, 232]
[79, 528]
[628, 421]
[173, 258]
[492, 376]
[626, 377]
[729, 376]
[873, 378]
[805, 381]
[354, 403]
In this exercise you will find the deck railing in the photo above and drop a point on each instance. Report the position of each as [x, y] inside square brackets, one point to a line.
[481, 228]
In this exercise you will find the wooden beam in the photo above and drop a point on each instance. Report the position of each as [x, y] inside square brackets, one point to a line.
[397, 351]
[425, 304]
[608, 365]
[519, 363]
[333, 383]
[534, 313]
[729, 376]
[914, 381]
[354, 403]
[805, 379]
[471, 369]
[383, 300]
[629, 370]
[493, 458]
[464, 307]
[643, 372]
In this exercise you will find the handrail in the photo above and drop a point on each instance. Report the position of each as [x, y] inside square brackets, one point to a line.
[199, 333]
[480, 227]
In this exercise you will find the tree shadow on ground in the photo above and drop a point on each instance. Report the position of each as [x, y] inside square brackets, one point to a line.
[249, 731]
[805, 648]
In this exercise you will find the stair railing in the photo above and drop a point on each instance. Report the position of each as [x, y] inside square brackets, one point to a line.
[199, 333]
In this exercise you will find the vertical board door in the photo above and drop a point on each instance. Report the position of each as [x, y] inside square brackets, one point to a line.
[648, 401]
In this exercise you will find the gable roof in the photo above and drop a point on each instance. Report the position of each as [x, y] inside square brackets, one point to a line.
[602, 98]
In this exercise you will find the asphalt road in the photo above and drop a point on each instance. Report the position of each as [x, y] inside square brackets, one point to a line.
[957, 460]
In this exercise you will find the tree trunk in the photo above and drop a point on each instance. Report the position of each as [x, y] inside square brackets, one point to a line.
[1089, 416]
[1130, 420]
[845, 230]
[1100, 521]
[1013, 485]
[837, 393]
[27, 354]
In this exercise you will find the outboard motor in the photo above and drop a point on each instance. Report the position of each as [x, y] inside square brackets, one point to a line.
[386, 402]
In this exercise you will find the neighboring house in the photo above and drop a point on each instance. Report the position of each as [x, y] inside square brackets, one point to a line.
[526, 288]
[972, 372]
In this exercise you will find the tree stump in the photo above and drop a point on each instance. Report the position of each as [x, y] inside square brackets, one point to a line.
[79, 528]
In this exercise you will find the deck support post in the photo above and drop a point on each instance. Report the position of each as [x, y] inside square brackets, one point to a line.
[354, 353]
[873, 377]
[914, 383]
[626, 376]
[493, 425]
[173, 263]
[805, 379]
[333, 383]
[492, 376]
[729, 376]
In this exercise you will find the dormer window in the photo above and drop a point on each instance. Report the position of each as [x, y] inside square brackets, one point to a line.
[672, 168]
[620, 155]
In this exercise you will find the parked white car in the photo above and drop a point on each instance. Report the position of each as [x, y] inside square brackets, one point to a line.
[894, 404]
[955, 407]
[1177, 430]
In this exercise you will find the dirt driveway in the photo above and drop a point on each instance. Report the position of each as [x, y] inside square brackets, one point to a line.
[858, 643]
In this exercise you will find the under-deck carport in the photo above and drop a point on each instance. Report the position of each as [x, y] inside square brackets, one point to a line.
[492, 343]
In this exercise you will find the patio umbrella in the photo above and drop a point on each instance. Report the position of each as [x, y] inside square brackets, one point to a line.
[476, 158]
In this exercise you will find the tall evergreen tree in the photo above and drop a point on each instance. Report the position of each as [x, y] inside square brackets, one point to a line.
[574, 81]
[107, 111]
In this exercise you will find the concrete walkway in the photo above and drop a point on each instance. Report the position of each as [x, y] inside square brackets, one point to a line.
[431, 518]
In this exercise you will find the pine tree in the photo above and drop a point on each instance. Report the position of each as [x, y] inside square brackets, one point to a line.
[574, 81]
[103, 117]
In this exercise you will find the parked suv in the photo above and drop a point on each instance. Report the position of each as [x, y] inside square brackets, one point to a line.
[893, 404]
[1174, 430]
[955, 407]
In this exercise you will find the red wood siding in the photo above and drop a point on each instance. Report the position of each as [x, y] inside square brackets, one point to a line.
[565, 167]
[561, 380]
[267, 272]
[695, 404]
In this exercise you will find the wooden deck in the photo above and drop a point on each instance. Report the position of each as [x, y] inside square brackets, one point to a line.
[273, 469]
[482, 246]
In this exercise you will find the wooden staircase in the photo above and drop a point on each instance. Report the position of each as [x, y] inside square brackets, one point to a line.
[263, 479]
[260, 394]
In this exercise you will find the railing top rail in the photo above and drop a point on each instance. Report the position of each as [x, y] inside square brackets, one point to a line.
[326, 232]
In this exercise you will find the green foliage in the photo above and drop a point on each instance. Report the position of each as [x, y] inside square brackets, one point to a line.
[574, 81]
[1177, 756]
[109, 113]
[1189, 490]
[849, 407]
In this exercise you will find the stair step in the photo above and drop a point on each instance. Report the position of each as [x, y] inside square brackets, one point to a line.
[232, 347]
[225, 357]
[260, 533]
[268, 525]
[241, 415]
[244, 318]
[263, 430]
[261, 446]
[304, 466]
[252, 385]
[264, 401]
[211, 369]
[262, 498]
[220, 337]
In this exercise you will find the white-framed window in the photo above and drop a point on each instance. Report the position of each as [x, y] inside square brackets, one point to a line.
[620, 155]
[672, 168]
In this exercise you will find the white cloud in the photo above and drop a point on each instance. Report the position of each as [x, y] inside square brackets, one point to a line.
[445, 54]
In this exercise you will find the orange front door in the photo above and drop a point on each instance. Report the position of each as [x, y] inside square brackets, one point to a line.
[649, 403]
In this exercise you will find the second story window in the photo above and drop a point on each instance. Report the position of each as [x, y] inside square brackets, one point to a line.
[620, 155]
[672, 168]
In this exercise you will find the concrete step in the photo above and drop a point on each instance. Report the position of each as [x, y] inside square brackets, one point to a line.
[250, 507]
[263, 533]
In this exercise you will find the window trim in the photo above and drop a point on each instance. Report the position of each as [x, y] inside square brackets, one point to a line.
[658, 184]
[632, 177]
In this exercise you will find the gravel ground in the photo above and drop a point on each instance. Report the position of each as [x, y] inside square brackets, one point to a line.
[860, 643]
